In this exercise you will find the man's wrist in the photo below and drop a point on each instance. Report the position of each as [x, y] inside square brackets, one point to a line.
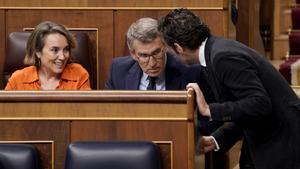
[216, 143]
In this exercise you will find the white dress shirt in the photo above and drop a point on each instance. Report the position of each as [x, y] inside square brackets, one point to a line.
[203, 63]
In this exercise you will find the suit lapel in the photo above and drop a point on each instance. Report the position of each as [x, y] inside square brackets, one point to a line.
[212, 78]
[132, 79]
[172, 74]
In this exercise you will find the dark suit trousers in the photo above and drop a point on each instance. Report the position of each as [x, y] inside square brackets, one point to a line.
[245, 159]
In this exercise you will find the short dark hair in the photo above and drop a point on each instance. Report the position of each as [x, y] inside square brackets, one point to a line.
[182, 26]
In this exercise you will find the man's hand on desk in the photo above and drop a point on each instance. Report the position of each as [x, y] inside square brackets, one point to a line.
[208, 144]
[203, 107]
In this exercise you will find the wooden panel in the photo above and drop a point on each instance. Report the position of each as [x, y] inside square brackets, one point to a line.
[46, 158]
[143, 130]
[161, 116]
[2, 43]
[166, 151]
[247, 27]
[93, 111]
[35, 131]
[280, 25]
[124, 18]
[280, 48]
[105, 105]
[117, 3]
[101, 20]
[217, 20]
[282, 17]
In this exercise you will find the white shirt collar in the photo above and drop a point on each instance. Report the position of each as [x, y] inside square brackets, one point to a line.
[145, 77]
[201, 53]
[160, 82]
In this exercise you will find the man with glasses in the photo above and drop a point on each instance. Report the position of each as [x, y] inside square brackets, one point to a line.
[150, 66]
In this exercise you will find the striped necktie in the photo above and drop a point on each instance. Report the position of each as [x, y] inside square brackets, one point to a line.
[152, 84]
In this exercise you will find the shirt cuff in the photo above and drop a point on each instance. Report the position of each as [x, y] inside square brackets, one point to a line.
[217, 145]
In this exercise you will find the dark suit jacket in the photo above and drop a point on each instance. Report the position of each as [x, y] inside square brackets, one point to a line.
[227, 135]
[252, 93]
[125, 74]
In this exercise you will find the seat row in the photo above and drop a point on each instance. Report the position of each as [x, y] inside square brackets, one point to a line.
[87, 155]
[18, 40]
[290, 69]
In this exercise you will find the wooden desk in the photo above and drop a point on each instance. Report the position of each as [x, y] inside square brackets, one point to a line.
[52, 119]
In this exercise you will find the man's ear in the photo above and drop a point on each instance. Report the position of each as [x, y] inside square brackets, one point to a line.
[133, 55]
[178, 48]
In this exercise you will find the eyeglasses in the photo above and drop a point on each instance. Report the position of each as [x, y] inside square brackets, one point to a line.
[157, 54]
